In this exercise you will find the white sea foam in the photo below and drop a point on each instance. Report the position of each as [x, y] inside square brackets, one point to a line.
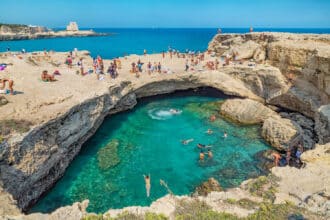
[162, 114]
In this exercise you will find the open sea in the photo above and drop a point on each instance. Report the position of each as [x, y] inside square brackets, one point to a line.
[125, 41]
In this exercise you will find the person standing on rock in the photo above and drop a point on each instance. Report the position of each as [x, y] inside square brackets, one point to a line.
[147, 182]
[277, 158]
[288, 157]
[187, 65]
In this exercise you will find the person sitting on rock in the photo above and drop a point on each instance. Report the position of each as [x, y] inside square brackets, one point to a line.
[10, 85]
[47, 77]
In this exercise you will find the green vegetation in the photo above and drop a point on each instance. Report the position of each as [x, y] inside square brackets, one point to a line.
[271, 211]
[8, 126]
[264, 186]
[127, 216]
[196, 210]
[231, 201]
[247, 203]
[108, 156]
[244, 203]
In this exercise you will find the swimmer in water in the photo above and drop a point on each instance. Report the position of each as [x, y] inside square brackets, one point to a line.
[212, 118]
[209, 153]
[147, 182]
[201, 156]
[225, 135]
[209, 131]
[174, 111]
[185, 142]
[201, 146]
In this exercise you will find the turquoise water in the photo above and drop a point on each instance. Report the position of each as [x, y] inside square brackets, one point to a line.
[149, 142]
[134, 40]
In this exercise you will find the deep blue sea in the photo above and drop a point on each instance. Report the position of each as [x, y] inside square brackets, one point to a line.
[135, 40]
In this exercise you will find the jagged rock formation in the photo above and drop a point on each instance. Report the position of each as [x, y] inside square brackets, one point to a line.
[322, 123]
[280, 133]
[211, 185]
[302, 56]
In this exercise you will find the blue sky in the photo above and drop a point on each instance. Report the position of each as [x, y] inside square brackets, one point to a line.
[168, 13]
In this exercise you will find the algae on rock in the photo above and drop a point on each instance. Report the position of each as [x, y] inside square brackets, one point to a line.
[108, 156]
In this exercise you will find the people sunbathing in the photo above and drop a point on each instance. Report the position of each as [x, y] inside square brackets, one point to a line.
[47, 77]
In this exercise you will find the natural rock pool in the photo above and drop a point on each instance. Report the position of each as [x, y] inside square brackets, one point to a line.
[109, 169]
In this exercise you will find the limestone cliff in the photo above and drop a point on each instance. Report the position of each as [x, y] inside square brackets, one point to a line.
[303, 58]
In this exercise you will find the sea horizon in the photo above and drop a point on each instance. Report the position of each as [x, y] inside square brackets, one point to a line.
[124, 41]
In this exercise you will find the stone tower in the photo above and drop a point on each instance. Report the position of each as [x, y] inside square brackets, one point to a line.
[72, 26]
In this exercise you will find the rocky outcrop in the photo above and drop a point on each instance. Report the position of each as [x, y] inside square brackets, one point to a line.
[211, 185]
[24, 32]
[73, 212]
[308, 187]
[306, 126]
[304, 58]
[281, 133]
[246, 111]
[322, 124]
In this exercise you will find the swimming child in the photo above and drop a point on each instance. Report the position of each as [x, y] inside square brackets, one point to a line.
[147, 182]
[209, 131]
[185, 142]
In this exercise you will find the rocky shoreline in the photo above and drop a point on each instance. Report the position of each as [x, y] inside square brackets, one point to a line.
[50, 34]
[23, 32]
[33, 161]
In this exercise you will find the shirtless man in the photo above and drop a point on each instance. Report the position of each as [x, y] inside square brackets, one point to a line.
[277, 158]
[10, 85]
[147, 182]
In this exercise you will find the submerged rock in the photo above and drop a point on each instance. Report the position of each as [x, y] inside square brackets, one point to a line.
[208, 186]
[265, 160]
[246, 111]
[108, 156]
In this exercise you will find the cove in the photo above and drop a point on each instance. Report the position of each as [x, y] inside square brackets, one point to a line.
[147, 140]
